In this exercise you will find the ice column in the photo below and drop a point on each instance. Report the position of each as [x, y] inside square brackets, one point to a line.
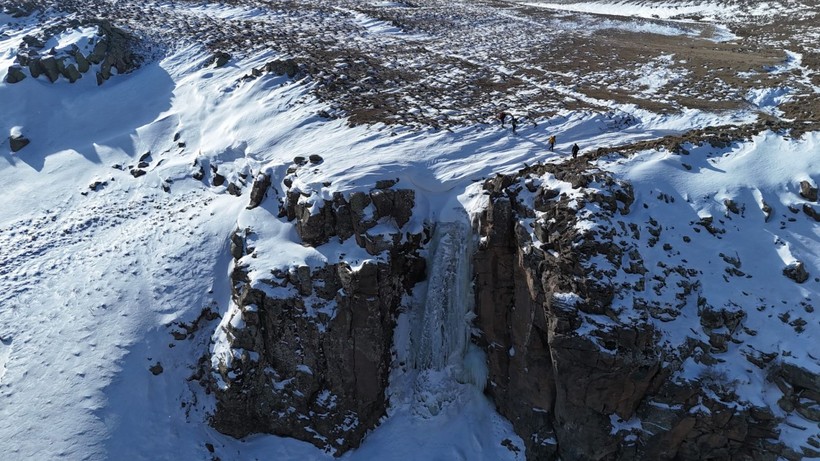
[441, 333]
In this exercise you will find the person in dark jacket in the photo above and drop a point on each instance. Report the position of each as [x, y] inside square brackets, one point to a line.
[502, 117]
[575, 150]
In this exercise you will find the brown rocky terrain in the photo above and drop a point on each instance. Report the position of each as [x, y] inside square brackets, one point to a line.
[310, 348]
[426, 64]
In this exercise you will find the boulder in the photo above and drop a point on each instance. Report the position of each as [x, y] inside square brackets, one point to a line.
[50, 68]
[287, 67]
[17, 142]
[796, 271]
[220, 58]
[234, 190]
[35, 67]
[259, 190]
[808, 191]
[82, 63]
[15, 74]
[71, 73]
[218, 179]
[386, 183]
[811, 212]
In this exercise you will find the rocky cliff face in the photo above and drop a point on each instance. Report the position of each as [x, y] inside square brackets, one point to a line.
[308, 348]
[577, 359]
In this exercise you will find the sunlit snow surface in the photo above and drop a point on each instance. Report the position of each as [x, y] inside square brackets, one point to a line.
[90, 280]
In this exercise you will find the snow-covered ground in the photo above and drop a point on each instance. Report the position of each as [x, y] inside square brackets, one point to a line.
[98, 268]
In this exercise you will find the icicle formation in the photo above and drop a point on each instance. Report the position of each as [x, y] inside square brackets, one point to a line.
[442, 329]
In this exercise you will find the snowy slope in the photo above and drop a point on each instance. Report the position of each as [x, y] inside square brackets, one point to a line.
[751, 193]
[99, 268]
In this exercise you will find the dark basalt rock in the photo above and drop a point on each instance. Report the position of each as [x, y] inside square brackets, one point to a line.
[259, 190]
[219, 59]
[113, 50]
[312, 361]
[796, 272]
[17, 142]
[15, 75]
[235, 190]
[808, 191]
[562, 390]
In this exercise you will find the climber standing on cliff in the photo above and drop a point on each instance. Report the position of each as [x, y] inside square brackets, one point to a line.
[551, 142]
[575, 150]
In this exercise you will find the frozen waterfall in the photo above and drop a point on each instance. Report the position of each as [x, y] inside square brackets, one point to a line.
[441, 354]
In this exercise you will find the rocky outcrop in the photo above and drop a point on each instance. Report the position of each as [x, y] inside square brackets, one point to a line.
[287, 67]
[580, 374]
[113, 50]
[309, 347]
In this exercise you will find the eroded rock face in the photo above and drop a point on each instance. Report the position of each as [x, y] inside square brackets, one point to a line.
[570, 367]
[309, 348]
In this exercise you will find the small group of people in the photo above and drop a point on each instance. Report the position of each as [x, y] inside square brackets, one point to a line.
[503, 116]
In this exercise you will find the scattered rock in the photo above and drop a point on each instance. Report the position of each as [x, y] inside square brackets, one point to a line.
[17, 142]
[156, 369]
[233, 189]
[731, 206]
[796, 271]
[35, 68]
[767, 210]
[287, 67]
[299, 160]
[15, 75]
[97, 185]
[218, 179]
[82, 64]
[136, 172]
[220, 58]
[316, 159]
[808, 191]
[71, 73]
[50, 68]
[386, 183]
[259, 189]
[811, 212]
